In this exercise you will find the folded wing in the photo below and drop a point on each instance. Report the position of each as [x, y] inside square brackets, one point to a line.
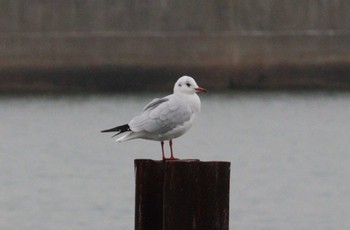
[161, 115]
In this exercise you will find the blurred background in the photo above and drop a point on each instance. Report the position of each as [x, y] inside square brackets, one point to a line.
[277, 107]
[94, 45]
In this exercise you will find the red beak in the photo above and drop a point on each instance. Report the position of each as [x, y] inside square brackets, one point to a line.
[200, 90]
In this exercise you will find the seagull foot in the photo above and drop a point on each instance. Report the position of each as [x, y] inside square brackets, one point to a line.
[170, 159]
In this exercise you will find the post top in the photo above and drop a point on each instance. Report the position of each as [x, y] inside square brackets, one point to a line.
[179, 161]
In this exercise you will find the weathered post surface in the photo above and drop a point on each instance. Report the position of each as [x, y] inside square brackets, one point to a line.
[149, 194]
[182, 194]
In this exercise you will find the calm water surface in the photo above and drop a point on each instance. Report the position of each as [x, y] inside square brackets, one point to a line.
[289, 153]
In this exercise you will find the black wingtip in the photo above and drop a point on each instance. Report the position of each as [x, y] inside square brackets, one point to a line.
[119, 129]
[116, 134]
[108, 130]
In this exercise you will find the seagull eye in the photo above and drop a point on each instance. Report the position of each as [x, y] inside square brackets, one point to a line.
[188, 84]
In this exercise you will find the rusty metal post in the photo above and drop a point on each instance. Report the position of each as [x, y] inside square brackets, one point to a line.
[182, 194]
[196, 195]
[149, 195]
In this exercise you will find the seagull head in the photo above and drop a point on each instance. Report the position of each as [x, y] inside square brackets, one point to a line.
[187, 85]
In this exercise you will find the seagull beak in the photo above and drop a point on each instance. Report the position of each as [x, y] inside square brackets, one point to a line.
[200, 90]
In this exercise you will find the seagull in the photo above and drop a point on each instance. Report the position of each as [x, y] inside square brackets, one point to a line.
[164, 119]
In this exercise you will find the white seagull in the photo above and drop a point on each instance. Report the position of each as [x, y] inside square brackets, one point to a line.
[165, 118]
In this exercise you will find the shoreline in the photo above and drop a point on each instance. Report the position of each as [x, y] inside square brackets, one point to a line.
[127, 79]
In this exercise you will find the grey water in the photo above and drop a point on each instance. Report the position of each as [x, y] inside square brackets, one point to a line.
[289, 154]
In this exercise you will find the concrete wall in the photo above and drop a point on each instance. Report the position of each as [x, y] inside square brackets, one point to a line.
[250, 43]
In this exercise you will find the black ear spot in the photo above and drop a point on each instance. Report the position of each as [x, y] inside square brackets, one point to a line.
[179, 85]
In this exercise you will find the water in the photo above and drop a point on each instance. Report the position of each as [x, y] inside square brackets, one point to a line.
[289, 154]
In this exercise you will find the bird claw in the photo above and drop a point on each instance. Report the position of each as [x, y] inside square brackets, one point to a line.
[170, 159]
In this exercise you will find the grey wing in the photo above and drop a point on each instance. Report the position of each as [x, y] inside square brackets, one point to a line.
[161, 118]
[154, 103]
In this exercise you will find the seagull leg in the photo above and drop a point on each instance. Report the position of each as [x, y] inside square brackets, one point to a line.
[162, 145]
[171, 150]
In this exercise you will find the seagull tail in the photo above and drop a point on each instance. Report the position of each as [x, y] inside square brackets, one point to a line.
[118, 129]
[129, 136]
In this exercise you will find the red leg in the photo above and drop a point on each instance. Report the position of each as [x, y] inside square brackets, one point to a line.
[162, 145]
[171, 150]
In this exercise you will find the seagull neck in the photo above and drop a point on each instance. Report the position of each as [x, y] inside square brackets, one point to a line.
[181, 94]
[192, 100]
